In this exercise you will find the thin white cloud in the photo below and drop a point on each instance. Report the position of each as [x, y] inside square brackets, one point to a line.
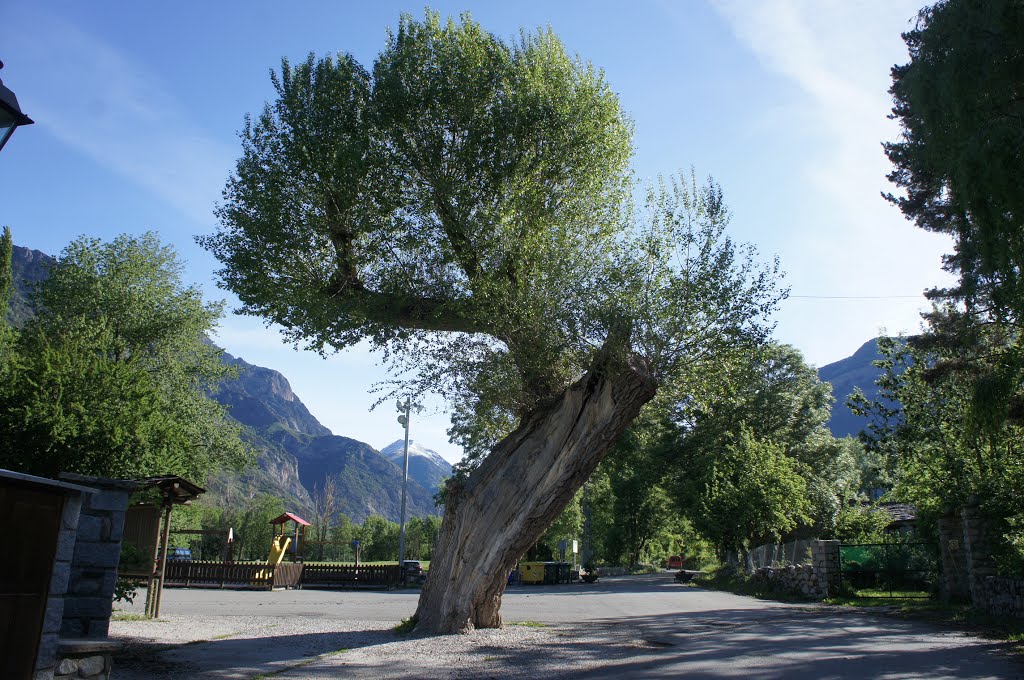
[844, 239]
[99, 101]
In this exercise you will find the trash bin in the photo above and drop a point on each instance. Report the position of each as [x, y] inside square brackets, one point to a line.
[550, 572]
[563, 572]
[532, 572]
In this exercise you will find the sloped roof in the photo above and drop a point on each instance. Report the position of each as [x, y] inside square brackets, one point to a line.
[289, 517]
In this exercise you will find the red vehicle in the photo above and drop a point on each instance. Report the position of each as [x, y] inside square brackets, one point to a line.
[675, 562]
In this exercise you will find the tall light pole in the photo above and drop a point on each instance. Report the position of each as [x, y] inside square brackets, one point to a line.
[405, 409]
[10, 113]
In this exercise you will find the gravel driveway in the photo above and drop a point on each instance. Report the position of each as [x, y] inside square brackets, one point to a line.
[633, 627]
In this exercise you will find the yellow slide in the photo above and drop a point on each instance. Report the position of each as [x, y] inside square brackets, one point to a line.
[277, 550]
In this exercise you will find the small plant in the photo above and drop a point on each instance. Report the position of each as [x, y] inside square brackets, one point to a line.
[406, 626]
[529, 624]
[126, 590]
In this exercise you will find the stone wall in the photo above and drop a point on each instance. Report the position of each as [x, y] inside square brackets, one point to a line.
[802, 579]
[1000, 596]
[93, 570]
[819, 579]
[953, 582]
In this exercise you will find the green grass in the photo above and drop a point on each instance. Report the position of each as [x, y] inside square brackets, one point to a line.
[528, 624]
[128, 616]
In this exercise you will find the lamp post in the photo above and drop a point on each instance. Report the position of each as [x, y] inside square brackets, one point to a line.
[405, 410]
[11, 116]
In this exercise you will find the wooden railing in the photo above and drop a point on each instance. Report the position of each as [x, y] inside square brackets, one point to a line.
[220, 574]
[285, 575]
[351, 576]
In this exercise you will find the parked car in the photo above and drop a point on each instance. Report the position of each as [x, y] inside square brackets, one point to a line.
[675, 562]
[413, 570]
[179, 555]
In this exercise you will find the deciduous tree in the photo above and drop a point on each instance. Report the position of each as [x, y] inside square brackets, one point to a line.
[111, 376]
[465, 207]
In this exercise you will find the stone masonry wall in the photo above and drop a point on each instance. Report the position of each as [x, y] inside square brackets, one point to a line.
[89, 599]
[1001, 596]
[46, 658]
[803, 579]
[819, 579]
[825, 558]
[977, 551]
[953, 581]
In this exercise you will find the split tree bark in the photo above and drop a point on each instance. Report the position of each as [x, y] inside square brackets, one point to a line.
[520, 488]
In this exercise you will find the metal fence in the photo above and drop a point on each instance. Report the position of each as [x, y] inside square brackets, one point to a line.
[778, 555]
[890, 569]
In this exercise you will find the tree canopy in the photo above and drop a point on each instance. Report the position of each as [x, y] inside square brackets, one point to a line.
[751, 458]
[112, 374]
[466, 207]
[480, 189]
[960, 101]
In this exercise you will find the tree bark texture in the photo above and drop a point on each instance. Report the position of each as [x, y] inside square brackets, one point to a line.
[507, 503]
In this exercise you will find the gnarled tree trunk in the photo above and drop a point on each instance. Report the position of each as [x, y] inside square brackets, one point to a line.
[520, 488]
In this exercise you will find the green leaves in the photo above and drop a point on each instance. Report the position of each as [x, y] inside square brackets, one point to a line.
[959, 103]
[111, 376]
[465, 206]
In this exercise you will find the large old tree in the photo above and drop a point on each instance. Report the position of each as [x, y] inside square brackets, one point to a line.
[466, 208]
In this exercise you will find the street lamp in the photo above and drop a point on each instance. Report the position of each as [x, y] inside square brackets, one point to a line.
[405, 409]
[10, 113]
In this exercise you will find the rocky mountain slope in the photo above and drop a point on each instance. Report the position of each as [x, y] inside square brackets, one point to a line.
[846, 375]
[285, 430]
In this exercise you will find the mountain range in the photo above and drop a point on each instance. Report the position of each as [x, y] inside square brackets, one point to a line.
[296, 453]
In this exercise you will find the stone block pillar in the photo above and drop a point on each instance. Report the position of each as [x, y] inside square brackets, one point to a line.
[93, 569]
[977, 552]
[953, 584]
[825, 557]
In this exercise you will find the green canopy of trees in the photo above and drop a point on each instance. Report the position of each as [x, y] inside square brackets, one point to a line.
[465, 206]
[111, 376]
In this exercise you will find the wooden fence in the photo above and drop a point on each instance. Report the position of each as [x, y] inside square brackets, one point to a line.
[232, 575]
[285, 575]
[351, 576]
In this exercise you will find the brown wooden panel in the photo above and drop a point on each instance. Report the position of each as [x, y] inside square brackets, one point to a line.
[25, 571]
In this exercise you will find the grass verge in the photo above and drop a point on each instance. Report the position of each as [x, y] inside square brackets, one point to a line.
[128, 616]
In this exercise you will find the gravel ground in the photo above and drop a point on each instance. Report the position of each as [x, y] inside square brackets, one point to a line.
[307, 648]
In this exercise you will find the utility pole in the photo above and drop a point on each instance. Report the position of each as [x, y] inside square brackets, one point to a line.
[405, 410]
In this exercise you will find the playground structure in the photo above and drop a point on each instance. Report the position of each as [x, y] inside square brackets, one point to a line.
[298, 535]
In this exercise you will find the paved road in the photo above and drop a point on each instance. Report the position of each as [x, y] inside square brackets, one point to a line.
[609, 599]
[630, 627]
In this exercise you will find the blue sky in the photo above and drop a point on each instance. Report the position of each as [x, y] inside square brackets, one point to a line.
[137, 108]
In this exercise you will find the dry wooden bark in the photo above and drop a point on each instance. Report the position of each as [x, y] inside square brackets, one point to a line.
[520, 488]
